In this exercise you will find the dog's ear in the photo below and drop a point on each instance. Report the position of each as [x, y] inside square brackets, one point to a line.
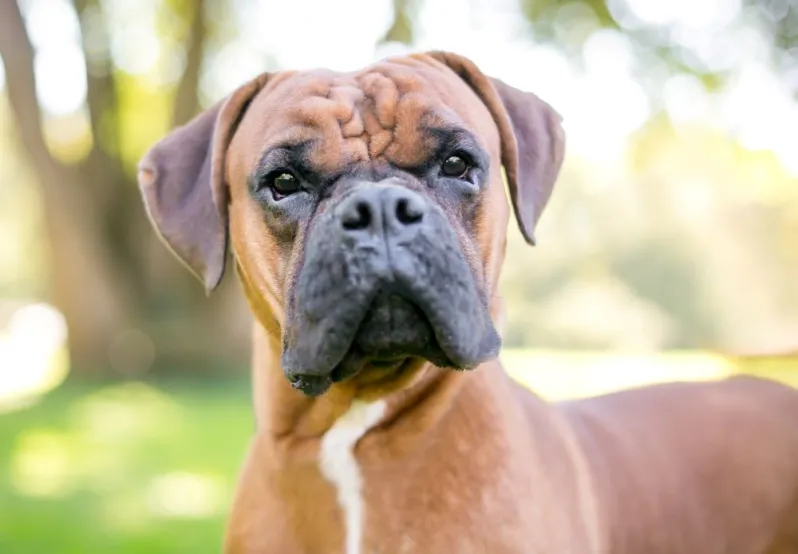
[182, 181]
[532, 139]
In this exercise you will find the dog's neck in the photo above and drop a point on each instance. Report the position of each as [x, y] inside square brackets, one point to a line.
[295, 423]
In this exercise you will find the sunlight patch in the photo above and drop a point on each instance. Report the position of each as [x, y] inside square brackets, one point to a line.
[185, 495]
[127, 413]
[33, 355]
[42, 465]
[562, 375]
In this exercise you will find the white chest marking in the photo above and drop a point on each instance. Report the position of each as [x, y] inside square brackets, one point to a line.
[339, 467]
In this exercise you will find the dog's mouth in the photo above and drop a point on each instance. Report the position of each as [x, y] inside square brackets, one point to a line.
[391, 338]
[393, 331]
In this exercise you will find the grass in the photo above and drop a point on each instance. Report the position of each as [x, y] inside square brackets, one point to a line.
[150, 468]
[126, 468]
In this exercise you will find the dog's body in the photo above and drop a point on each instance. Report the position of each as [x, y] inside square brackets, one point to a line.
[367, 215]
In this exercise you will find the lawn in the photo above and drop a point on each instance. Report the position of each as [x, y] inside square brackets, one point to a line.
[150, 468]
[123, 468]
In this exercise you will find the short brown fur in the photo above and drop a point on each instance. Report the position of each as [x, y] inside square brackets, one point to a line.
[466, 462]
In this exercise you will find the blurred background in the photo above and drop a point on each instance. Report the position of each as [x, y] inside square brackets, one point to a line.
[669, 249]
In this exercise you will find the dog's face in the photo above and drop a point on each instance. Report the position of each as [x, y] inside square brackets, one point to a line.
[366, 211]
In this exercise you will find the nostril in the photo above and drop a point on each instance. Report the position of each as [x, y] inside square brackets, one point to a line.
[357, 217]
[408, 212]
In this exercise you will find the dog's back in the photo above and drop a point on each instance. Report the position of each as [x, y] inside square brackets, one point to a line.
[711, 464]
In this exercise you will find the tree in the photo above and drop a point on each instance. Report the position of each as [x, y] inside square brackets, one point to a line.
[109, 273]
[119, 289]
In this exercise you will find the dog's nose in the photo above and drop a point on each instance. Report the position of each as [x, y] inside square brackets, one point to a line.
[376, 209]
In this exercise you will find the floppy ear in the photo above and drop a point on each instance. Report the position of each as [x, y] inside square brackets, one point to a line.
[182, 181]
[532, 139]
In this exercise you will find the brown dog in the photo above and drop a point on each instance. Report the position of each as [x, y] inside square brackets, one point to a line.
[367, 217]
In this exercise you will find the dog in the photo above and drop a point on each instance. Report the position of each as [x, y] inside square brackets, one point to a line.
[367, 215]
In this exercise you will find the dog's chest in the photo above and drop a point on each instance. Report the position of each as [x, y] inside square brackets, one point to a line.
[338, 465]
[444, 500]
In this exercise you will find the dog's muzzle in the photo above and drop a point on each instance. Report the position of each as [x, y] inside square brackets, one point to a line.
[383, 279]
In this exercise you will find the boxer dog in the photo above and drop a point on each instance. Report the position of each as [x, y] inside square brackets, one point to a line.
[366, 213]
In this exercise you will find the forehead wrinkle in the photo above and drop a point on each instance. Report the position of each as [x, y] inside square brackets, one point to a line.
[352, 128]
[393, 105]
[348, 95]
[444, 87]
[405, 99]
[326, 116]
[377, 123]
[423, 128]
[322, 112]
[380, 111]
[384, 95]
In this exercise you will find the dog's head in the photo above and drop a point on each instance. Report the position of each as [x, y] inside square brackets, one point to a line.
[366, 211]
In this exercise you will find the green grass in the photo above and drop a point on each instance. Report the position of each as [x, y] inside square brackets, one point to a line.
[150, 468]
[127, 468]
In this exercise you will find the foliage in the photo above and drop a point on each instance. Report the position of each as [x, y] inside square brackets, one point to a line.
[107, 272]
[568, 24]
[646, 245]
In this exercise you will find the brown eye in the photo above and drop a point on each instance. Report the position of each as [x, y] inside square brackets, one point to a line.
[284, 184]
[454, 166]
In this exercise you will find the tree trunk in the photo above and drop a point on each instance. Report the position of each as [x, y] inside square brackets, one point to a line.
[126, 300]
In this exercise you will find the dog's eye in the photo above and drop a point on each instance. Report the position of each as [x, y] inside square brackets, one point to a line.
[455, 166]
[283, 184]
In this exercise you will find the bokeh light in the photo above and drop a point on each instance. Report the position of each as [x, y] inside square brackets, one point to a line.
[33, 354]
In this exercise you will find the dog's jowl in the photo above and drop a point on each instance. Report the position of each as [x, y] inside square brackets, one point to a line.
[365, 215]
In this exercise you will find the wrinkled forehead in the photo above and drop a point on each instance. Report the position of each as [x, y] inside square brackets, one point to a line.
[398, 111]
